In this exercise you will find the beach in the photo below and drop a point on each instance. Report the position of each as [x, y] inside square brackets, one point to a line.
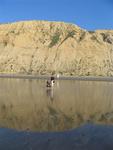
[85, 78]
[79, 120]
[87, 137]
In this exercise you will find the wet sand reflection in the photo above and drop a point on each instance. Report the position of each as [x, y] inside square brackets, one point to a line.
[28, 104]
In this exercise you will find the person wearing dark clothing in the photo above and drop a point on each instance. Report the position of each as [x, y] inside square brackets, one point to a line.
[53, 79]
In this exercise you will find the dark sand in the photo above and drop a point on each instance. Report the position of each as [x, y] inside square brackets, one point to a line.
[88, 137]
[85, 78]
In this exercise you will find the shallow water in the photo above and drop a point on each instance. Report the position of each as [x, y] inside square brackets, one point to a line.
[29, 105]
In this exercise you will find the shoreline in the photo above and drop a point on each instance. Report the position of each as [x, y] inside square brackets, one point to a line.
[82, 78]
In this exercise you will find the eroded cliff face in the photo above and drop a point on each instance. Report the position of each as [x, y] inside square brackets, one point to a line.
[41, 47]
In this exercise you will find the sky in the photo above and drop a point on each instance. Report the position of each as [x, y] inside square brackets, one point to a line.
[88, 14]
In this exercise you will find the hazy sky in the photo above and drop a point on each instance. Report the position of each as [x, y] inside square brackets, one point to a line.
[88, 14]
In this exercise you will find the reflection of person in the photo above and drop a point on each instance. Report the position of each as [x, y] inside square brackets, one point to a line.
[49, 85]
[50, 93]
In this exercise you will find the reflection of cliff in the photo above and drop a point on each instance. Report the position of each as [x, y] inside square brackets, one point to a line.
[24, 104]
[49, 120]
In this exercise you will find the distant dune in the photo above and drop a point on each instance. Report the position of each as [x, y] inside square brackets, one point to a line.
[42, 47]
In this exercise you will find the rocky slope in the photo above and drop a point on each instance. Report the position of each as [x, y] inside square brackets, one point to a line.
[41, 47]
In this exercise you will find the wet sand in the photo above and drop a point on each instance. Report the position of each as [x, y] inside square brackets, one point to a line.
[85, 78]
[88, 137]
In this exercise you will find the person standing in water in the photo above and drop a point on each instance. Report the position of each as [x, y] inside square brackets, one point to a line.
[53, 79]
[51, 82]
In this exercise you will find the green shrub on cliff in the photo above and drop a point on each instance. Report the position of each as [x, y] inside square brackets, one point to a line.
[54, 40]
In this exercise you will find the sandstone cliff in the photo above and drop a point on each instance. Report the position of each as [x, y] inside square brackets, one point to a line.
[41, 47]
